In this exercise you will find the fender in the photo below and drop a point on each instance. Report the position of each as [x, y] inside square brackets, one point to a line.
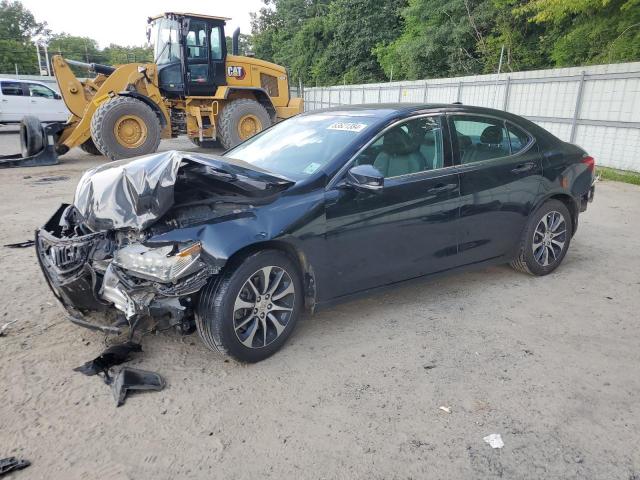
[154, 106]
[223, 92]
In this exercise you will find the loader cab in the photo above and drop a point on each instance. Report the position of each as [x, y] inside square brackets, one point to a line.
[190, 52]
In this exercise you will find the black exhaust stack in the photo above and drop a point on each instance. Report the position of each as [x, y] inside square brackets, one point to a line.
[235, 46]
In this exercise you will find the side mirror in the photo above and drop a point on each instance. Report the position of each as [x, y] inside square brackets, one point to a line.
[365, 178]
[57, 96]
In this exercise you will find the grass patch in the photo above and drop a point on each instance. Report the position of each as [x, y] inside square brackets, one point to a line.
[625, 176]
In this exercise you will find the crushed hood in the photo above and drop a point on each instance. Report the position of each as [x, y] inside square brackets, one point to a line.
[135, 193]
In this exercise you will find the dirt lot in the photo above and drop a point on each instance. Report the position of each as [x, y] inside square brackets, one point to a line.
[552, 364]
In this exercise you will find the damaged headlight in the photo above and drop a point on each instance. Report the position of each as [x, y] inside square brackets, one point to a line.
[164, 264]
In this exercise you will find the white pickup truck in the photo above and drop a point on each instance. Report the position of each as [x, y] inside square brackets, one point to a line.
[27, 97]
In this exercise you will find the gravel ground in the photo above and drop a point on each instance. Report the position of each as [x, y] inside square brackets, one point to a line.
[549, 363]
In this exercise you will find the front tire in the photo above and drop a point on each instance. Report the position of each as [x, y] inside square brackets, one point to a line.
[252, 309]
[545, 240]
[125, 127]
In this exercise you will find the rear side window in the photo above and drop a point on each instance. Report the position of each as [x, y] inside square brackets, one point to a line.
[518, 138]
[12, 88]
[480, 138]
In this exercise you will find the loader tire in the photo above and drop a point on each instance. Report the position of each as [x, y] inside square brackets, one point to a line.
[31, 136]
[241, 119]
[125, 127]
[90, 148]
[206, 143]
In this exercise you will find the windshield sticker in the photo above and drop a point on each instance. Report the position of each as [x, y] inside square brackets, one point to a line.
[347, 127]
[312, 167]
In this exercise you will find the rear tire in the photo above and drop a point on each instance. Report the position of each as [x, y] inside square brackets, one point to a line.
[125, 127]
[90, 148]
[247, 323]
[206, 143]
[31, 136]
[545, 240]
[237, 119]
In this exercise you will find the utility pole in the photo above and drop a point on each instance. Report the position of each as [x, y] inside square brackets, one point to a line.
[39, 59]
[17, 74]
[46, 55]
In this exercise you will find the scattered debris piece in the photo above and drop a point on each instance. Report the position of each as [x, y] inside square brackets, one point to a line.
[445, 409]
[25, 244]
[11, 464]
[528, 352]
[59, 178]
[428, 367]
[114, 355]
[134, 379]
[495, 440]
[5, 326]
[609, 298]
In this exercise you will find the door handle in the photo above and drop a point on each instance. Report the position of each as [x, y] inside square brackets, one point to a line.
[443, 187]
[524, 167]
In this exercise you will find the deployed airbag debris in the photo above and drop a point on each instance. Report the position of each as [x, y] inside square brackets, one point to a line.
[134, 379]
[114, 355]
[11, 464]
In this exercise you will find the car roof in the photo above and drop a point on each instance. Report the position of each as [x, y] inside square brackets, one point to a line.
[382, 110]
[23, 80]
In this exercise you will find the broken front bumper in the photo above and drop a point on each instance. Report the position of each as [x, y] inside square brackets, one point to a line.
[98, 295]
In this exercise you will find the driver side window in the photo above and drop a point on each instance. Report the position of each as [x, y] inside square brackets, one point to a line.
[411, 147]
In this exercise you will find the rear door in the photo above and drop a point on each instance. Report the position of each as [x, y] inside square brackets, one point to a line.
[500, 179]
[407, 229]
[15, 103]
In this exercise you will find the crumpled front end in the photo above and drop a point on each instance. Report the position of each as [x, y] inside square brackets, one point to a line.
[109, 280]
[133, 246]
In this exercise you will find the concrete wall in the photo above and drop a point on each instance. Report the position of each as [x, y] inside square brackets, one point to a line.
[596, 107]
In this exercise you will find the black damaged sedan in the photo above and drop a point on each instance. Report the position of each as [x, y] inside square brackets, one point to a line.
[317, 208]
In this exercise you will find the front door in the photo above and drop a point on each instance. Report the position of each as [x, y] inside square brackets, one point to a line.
[500, 178]
[405, 230]
[15, 102]
[204, 53]
[45, 103]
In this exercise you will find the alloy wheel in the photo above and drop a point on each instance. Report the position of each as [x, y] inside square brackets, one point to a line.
[549, 238]
[264, 307]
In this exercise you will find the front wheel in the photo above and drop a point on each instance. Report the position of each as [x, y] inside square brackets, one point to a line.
[252, 309]
[125, 127]
[546, 239]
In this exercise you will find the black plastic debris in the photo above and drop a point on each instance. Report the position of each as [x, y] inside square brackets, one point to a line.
[114, 355]
[25, 244]
[133, 379]
[11, 464]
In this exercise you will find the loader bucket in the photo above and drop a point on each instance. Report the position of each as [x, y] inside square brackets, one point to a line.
[37, 145]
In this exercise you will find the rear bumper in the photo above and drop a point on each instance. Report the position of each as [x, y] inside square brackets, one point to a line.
[587, 198]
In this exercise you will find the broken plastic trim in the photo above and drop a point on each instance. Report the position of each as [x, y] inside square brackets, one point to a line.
[133, 379]
[11, 464]
[114, 355]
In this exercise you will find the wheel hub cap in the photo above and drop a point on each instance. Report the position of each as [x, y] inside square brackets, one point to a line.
[248, 126]
[263, 307]
[549, 238]
[130, 131]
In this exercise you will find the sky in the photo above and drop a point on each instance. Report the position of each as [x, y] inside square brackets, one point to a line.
[125, 21]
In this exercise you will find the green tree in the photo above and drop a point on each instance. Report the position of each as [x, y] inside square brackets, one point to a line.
[17, 28]
[589, 31]
[245, 45]
[355, 28]
[118, 54]
[441, 38]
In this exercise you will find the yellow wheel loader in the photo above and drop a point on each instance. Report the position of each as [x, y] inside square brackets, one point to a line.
[194, 87]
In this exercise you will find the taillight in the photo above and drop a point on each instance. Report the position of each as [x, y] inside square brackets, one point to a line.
[590, 162]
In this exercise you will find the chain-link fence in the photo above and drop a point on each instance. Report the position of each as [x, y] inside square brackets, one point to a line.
[596, 107]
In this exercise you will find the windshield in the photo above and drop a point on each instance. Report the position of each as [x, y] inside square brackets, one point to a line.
[300, 146]
[165, 35]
